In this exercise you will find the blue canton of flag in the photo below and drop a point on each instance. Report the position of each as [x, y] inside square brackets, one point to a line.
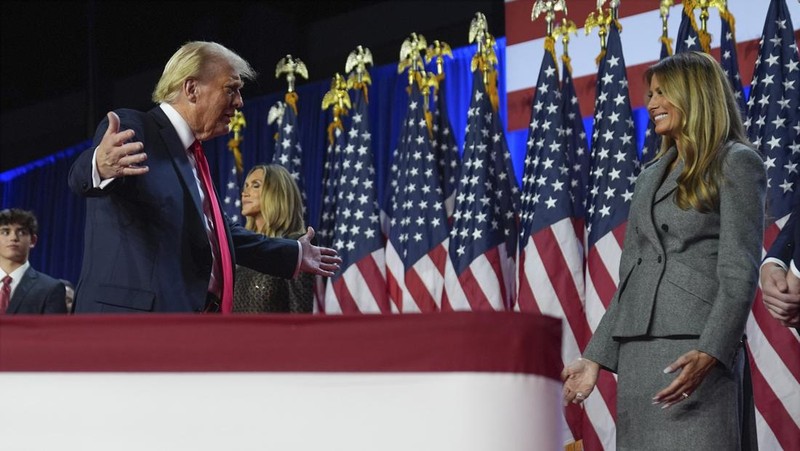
[288, 152]
[483, 240]
[359, 287]
[687, 39]
[444, 148]
[729, 59]
[773, 120]
[416, 251]
[330, 184]
[232, 200]
[615, 164]
[652, 140]
[576, 146]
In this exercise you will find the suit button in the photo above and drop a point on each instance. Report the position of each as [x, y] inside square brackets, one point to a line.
[637, 229]
[639, 262]
[665, 227]
[659, 259]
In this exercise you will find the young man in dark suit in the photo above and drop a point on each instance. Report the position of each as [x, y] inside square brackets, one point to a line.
[22, 288]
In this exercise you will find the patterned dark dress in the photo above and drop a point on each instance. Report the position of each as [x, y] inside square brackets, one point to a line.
[255, 292]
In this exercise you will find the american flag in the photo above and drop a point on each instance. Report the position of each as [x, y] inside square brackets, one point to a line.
[652, 140]
[330, 188]
[444, 147]
[550, 278]
[480, 272]
[615, 166]
[416, 250]
[288, 151]
[231, 199]
[360, 285]
[688, 39]
[728, 56]
[774, 127]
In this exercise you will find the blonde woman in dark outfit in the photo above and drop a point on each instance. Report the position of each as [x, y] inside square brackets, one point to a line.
[273, 206]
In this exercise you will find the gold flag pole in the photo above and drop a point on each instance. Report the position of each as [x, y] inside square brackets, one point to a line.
[663, 10]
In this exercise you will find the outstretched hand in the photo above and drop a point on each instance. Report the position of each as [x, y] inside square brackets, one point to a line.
[579, 378]
[694, 366]
[117, 155]
[322, 261]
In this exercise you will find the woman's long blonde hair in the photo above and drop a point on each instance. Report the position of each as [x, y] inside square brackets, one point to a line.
[281, 203]
[697, 86]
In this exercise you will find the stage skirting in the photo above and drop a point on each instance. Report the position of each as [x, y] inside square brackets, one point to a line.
[449, 381]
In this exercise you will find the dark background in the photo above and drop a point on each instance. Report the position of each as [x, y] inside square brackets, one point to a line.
[65, 63]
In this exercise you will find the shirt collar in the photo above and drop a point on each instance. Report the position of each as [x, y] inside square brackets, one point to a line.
[179, 123]
[16, 275]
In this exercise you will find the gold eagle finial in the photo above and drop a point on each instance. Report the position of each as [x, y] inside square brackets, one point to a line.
[290, 66]
[410, 56]
[549, 7]
[356, 65]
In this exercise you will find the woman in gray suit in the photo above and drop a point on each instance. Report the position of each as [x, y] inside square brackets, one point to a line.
[688, 271]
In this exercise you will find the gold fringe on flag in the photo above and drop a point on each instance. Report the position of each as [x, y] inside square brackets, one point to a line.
[668, 43]
[725, 14]
[705, 38]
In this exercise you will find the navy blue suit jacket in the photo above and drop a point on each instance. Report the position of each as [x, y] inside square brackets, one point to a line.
[38, 293]
[146, 248]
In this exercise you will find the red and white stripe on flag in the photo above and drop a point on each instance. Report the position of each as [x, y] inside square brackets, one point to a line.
[524, 44]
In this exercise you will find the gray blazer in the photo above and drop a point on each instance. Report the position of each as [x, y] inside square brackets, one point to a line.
[683, 272]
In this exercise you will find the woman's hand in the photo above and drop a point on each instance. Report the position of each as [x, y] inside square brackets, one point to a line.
[694, 366]
[579, 379]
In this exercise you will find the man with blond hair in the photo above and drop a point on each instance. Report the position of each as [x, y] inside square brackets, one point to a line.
[155, 239]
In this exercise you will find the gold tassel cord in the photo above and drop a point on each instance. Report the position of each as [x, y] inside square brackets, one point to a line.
[291, 99]
[726, 15]
[667, 42]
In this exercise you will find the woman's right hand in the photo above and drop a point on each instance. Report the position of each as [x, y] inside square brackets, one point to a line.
[579, 379]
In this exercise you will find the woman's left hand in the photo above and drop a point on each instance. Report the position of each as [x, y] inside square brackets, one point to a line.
[694, 366]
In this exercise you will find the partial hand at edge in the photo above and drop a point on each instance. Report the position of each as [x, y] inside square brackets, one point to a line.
[118, 156]
[781, 294]
[580, 378]
[317, 260]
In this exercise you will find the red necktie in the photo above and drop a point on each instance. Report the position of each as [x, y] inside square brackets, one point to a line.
[5, 294]
[219, 227]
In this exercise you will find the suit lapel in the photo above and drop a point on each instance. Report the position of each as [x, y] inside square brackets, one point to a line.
[21, 292]
[669, 184]
[180, 160]
[650, 186]
[652, 189]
